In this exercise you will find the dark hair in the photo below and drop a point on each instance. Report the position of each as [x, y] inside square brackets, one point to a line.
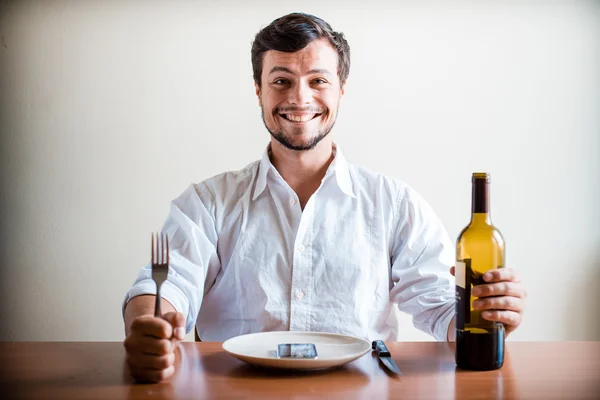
[294, 32]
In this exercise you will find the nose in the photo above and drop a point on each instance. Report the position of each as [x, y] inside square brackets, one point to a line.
[301, 94]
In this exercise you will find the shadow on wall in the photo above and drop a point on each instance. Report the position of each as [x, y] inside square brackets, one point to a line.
[5, 237]
[594, 292]
[588, 298]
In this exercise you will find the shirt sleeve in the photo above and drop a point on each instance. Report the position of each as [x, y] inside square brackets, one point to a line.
[422, 255]
[192, 234]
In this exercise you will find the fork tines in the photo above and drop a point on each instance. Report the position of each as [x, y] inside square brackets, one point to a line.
[161, 243]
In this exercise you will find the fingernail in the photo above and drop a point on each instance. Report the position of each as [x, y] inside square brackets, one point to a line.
[488, 276]
[476, 291]
[486, 314]
[477, 303]
[180, 333]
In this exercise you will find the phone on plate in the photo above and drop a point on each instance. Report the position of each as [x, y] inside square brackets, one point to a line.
[297, 351]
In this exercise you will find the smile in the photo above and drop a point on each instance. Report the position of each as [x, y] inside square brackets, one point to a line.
[299, 117]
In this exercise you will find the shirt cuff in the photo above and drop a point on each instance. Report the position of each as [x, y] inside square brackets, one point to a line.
[441, 329]
[168, 291]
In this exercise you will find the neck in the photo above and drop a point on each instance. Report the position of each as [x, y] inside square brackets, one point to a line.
[302, 170]
[480, 202]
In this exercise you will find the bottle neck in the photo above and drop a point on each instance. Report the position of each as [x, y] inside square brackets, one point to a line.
[480, 202]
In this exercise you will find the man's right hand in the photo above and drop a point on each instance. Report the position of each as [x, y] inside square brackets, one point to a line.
[151, 344]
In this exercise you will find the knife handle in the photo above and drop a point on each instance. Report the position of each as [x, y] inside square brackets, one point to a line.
[380, 348]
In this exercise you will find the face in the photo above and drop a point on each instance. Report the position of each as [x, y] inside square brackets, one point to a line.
[300, 94]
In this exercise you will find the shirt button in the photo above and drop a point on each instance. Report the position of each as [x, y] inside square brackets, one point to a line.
[301, 248]
[299, 294]
[292, 201]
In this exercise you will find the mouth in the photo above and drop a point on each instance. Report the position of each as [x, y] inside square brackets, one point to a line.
[299, 118]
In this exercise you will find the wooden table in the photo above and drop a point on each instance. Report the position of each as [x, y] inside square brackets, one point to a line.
[83, 370]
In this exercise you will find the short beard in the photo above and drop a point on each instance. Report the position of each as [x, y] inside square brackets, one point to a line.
[280, 137]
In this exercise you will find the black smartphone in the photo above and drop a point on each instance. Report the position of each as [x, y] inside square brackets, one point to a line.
[297, 350]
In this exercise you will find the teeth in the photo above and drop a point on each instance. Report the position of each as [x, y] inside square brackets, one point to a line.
[300, 118]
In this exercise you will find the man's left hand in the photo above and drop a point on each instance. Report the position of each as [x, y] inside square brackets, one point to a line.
[502, 299]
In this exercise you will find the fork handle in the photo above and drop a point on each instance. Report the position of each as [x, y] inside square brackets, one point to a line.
[157, 312]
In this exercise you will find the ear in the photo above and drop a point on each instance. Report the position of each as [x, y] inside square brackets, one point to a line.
[257, 88]
[344, 87]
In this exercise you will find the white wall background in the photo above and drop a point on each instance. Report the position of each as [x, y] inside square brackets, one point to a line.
[109, 109]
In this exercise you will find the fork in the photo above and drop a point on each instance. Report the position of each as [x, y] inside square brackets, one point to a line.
[160, 266]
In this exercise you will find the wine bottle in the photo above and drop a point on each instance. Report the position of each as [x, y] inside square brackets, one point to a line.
[479, 249]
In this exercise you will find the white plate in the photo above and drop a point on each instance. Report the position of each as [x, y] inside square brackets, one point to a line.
[261, 349]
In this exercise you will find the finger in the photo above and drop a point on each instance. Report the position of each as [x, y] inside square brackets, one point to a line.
[500, 275]
[452, 269]
[502, 303]
[513, 289]
[177, 321]
[145, 361]
[151, 375]
[151, 326]
[510, 318]
[148, 345]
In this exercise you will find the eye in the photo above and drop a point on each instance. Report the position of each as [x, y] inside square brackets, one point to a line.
[281, 81]
[320, 81]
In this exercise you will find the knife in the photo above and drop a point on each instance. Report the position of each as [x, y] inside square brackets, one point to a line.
[385, 357]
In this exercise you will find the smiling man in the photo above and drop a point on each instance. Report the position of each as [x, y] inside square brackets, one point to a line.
[302, 239]
[300, 94]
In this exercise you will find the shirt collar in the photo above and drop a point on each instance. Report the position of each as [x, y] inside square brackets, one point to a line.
[263, 169]
[342, 172]
[339, 166]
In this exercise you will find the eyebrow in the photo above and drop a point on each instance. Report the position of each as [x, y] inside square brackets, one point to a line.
[289, 71]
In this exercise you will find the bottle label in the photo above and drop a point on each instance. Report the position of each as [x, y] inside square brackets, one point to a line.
[462, 273]
[459, 272]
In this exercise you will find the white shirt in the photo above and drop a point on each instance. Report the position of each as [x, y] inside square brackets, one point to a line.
[244, 257]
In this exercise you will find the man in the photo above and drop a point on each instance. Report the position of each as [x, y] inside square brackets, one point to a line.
[301, 240]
